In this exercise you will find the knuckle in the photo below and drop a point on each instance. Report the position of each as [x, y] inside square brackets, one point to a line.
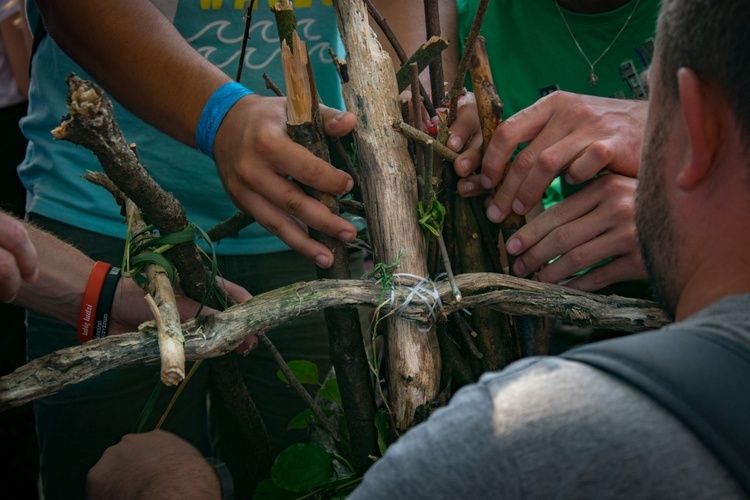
[601, 151]
[273, 227]
[15, 235]
[524, 160]
[310, 169]
[550, 161]
[294, 205]
[562, 238]
[577, 259]
[266, 142]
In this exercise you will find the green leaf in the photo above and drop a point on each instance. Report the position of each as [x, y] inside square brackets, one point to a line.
[330, 391]
[302, 467]
[268, 489]
[299, 421]
[382, 424]
[305, 371]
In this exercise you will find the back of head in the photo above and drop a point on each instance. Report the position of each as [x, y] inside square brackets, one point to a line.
[711, 37]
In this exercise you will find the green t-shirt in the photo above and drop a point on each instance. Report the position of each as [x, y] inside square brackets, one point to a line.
[532, 53]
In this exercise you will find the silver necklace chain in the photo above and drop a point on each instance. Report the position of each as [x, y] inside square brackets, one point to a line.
[593, 79]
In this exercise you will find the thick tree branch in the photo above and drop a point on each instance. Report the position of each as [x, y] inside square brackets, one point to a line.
[211, 336]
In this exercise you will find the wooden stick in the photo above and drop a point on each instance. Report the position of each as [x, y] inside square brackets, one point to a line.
[423, 57]
[463, 64]
[348, 355]
[417, 135]
[389, 188]
[298, 386]
[432, 28]
[163, 306]
[383, 24]
[211, 336]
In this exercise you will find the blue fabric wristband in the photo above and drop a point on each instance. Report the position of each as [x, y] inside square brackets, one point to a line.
[217, 106]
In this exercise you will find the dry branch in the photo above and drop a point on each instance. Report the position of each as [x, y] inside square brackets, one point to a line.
[91, 124]
[423, 56]
[389, 189]
[163, 305]
[347, 350]
[211, 336]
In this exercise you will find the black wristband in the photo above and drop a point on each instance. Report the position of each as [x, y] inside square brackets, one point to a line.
[225, 477]
[104, 305]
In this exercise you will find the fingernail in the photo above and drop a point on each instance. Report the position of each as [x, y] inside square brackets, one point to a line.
[519, 269]
[347, 235]
[467, 188]
[494, 214]
[349, 185]
[323, 261]
[514, 246]
[339, 115]
[455, 142]
[486, 182]
[518, 207]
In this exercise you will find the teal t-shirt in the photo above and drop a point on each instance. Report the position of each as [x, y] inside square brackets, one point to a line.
[532, 53]
[52, 170]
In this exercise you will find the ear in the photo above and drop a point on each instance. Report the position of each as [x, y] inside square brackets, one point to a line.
[700, 113]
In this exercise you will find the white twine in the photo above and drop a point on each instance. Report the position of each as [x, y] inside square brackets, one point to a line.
[424, 290]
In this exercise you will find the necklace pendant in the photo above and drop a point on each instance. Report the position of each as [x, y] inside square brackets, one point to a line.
[593, 79]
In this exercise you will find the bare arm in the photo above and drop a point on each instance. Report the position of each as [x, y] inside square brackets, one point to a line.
[141, 59]
[16, 40]
[41, 272]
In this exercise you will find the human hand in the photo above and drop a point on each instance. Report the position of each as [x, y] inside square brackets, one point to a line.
[154, 464]
[593, 224]
[576, 134]
[255, 158]
[466, 132]
[18, 257]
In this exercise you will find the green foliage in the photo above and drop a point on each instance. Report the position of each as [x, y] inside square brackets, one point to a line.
[382, 424]
[330, 391]
[306, 471]
[306, 372]
[433, 218]
[302, 467]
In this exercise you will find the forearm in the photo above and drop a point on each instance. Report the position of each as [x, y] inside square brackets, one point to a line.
[15, 37]
[134, 52]
[63, 273]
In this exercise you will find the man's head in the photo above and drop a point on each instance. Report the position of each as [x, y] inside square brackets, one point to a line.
[697, 138]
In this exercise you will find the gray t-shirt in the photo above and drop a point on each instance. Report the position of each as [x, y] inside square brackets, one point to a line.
[552, 428]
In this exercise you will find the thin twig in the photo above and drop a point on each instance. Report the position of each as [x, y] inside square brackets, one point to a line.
[272, 86]
[468, 333]
[448, 269]
[245, 38]
[417, 135]
[432, 27]
[298, 386]
[416, 116]
[463, 65]
[341, 67]
[423, 57]
[398, 48]
[231, 227]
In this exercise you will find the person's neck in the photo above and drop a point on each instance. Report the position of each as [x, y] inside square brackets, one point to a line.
[719, 278]
[591, 6]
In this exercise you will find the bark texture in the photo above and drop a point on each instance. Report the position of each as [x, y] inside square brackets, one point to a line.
[389, 188]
